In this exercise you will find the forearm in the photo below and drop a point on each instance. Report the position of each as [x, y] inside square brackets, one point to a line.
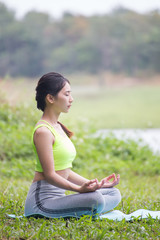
[58, 181]
[79, 183]
[76, 178]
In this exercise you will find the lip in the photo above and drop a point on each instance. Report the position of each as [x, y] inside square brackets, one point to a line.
[69, 106]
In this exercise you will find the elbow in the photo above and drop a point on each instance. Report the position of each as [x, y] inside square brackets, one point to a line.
[50, 177]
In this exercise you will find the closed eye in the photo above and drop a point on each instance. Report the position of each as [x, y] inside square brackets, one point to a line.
[67, 93]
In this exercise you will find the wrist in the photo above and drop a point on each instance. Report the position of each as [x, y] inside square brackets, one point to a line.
[75, 188]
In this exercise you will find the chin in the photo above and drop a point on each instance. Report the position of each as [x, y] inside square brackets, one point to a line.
[65, 111]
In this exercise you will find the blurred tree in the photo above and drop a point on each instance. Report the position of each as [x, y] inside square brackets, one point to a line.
[122, 41]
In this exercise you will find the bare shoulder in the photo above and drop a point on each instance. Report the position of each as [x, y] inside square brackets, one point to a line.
[43, 132]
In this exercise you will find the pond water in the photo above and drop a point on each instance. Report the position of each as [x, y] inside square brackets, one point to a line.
[150, 137]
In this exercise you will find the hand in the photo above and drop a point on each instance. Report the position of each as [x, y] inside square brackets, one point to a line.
[91, 186]
[107, 183]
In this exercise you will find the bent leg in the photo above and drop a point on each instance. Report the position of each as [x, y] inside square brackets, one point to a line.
[112, 198]
[47, 200]
[75, 205]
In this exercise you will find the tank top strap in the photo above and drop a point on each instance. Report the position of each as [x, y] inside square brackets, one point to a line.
[49, 126]
[53, 131]
[41, 120]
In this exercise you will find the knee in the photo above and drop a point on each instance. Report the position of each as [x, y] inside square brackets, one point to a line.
[99, 202]
[117, 195]
[95, 200]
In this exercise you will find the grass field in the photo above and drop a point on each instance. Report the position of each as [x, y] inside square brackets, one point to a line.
[135, 196]
[93, 108]
[116, 105]
[137, 107]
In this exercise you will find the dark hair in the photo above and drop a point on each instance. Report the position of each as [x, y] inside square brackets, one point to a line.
[50, 83]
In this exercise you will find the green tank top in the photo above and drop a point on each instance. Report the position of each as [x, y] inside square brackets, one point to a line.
[64, 151]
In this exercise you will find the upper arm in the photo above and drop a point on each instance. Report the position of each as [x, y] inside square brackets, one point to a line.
[44, 140]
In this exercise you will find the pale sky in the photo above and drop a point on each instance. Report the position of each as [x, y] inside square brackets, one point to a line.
[55, 8]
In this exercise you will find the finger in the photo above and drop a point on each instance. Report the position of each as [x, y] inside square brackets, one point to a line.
[93, 187]
[118, 179]
[118, 176]
[102, 183]
[89, 183]
[92, 181]
[96, 180]
[112, 176]
[98, 184]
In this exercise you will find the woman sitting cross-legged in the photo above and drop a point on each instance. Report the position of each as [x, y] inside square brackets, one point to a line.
[55, 153]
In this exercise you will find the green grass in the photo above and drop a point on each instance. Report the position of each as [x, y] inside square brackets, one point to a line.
[138, 166]
[107, 107]
[137, 107]
[135, 196]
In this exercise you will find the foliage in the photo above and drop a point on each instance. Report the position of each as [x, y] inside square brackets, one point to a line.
[103, 155]
[96, 157]
[122, 41]
[134, 196]
[15, 131]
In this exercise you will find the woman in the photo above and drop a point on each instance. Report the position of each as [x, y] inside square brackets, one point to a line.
[55, 153]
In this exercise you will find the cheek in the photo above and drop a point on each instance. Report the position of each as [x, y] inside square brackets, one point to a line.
[63, 100]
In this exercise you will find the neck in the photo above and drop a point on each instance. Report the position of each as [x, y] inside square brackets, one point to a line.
[50, 117]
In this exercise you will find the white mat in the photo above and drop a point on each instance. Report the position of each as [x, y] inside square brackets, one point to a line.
[140, 214]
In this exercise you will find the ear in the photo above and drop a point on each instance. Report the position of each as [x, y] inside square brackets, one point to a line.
[50, 98]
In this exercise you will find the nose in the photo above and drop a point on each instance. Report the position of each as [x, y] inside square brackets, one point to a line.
[71, 99]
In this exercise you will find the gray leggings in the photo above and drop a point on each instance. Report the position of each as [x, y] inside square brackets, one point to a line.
[49, 201]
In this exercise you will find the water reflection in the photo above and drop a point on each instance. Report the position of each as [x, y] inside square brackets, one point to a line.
[151, 137]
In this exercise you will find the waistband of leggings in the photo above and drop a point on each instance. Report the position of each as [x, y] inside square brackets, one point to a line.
[44, 183]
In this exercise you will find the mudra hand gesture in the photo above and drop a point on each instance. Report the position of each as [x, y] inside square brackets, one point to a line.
[93, 185]
[107, 183]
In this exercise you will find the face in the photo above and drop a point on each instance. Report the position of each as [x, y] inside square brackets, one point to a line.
[64, 99]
